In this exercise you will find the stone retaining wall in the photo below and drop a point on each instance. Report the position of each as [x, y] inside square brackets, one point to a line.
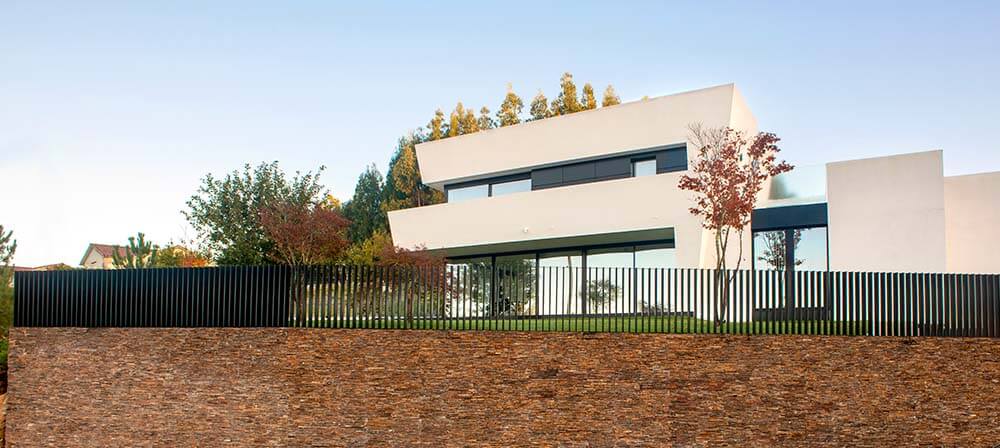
[299, 387]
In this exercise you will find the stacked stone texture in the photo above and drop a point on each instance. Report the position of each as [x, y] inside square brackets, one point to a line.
[299, 387]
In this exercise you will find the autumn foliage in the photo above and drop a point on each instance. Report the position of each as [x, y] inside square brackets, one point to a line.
[304, 235]
[727, 175]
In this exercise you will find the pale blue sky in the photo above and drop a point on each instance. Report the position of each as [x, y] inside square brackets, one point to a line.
[110, 112]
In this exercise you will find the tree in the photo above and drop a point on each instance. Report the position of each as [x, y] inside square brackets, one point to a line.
[510, 110]
[610, 97]
[404, 188]
[484, 121]
[364, 210]
[304, 235]
[601, 292]
[8, 246]
[436, 125]
[775, 246]
[539, 107]
[138, 254]
[729, 171]
[455, 121]
[177, 255]
[226, 212]
[469, 122]
[567, 102]
[588, 101]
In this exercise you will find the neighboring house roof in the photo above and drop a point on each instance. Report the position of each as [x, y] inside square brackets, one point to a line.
[106, 251]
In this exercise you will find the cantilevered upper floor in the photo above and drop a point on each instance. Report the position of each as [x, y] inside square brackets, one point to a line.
[606, 175]
[630, 128]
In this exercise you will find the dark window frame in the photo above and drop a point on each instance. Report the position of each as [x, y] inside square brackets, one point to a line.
[658, 153]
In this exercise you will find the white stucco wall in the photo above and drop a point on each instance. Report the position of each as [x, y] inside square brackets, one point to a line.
[972, 222]
[622, 205]
[93, 260]
[584, 135]
[887, 213]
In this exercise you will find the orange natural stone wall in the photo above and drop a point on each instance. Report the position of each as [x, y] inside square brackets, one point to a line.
[300, 387]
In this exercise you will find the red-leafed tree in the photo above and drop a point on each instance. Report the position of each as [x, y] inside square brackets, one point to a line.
[726, 176]
[304, 235]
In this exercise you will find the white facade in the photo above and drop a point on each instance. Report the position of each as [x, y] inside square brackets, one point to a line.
[895, 213]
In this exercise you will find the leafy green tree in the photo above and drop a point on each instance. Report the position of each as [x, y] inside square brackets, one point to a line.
[226, 212]
[566, 102]
[436, 125]
[588, 101]
[364, 210]
[539, 107]
[404, 188]
[138, 254]
[8, 246]
[485, 121]
[510, 109]
[610, 97]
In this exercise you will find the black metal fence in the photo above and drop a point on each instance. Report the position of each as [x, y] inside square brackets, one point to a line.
[516, 297]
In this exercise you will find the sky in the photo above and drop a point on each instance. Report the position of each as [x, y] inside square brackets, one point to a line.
[112, 112]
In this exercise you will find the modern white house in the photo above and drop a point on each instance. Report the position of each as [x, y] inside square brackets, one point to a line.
[600, 188]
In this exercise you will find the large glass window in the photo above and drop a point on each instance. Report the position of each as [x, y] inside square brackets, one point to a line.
[644, 168]
[609, 280]
[559, 282]
[466, 193]
[514, 186]
[515, 286]
[807, 247]
[472, 280]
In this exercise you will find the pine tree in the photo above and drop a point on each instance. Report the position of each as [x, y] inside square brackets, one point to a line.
[403, 187]
[455, 121]
[510, 109]
[539, 106]
[566, 102]
[485, 121]
[588, 101]
[138, 254]
[610, 97]
[364, 210]
[435, 126]
[469, 122]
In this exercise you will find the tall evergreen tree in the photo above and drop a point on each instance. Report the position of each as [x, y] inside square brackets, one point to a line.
[610, 97]
[485, 121]
[455, 121]
[364, 210]
[588, 101]
[567, 101]
[436, 125]
[539, 106]
[403, 187]
[469, 122]
[510, 109]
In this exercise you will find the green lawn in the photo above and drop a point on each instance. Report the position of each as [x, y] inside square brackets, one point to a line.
[651, 324]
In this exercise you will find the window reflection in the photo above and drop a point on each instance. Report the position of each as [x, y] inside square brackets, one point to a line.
[644, 168]
[472, 279]
[466, 193]
[609, 279]
[808, 249]
[515, 286]
[559, 282]
[516, 186]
